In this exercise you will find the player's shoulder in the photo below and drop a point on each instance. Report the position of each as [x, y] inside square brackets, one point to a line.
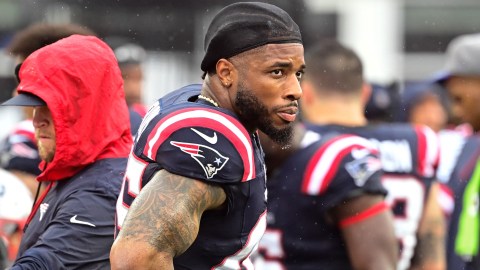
[417, 143]
[199, 117]
[406, 131]
[210, 136]
[421, 139]
[181, 95]
[179, 108]
[334, 145]
[336, 152]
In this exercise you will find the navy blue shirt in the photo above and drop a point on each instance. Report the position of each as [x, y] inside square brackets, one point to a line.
[323, 174]
[409, 156]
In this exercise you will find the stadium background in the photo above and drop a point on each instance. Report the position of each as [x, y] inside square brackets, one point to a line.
[398, 40]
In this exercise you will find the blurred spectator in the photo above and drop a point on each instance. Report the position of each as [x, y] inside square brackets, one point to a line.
[383, 102]
[19, 155]
[130, 57]
[15, 205]
[38, 35]
[461, 77]
[35, 37]
[426, 103]
[422, 103]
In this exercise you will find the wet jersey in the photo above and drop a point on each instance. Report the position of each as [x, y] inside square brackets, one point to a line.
[462, 173]
[325, 172]
[409, 156]
[207, 143]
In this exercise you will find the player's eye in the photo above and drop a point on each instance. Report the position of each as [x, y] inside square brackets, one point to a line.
[277, 72]
[456, 99]
[299, 74]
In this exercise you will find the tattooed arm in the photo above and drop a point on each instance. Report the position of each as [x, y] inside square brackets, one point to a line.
[430, 249]
[163, 221]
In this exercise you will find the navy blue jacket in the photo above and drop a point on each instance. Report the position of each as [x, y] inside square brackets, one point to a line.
[73, 227]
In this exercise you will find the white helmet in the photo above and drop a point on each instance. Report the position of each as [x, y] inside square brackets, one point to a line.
[15, 206]
[15, 198]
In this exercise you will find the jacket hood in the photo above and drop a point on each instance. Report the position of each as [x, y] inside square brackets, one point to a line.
[79, 79]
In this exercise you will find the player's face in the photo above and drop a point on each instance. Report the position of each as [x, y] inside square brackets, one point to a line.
[268, 89]
[465, 96]
[132, 83]
[430, 112]
[44, 132]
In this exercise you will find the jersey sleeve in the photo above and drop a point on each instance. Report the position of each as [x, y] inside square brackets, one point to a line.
[428, 151]
[200, 143]
[343, 167]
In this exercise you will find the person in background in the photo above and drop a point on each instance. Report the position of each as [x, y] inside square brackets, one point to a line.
[334, 99]
[382, 103]
[426, 103]
[15, 205]
[18, 150]
[327, 207]
[83, 134]
[34, 37]
[195, 192]
[130, 58]
[38, 35]
[19, 155]
[461, 78]
[422, 104]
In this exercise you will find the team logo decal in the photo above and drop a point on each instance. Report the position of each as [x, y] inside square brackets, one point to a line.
[43, 210]
[363, 166]
[210, 159]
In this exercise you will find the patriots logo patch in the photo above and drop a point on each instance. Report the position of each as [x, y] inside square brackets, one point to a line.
[361, 169]
[210, 159]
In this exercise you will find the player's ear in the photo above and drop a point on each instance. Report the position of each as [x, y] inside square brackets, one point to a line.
[307, 91]
[226, 72]
[366, 93]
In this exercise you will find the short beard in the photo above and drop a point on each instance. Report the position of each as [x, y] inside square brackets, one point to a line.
[47, 157]
[45, 154]
[255, 113]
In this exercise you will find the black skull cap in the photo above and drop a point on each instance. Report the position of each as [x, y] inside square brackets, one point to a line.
[243, 26]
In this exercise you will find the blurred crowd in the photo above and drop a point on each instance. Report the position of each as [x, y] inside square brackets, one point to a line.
[442, 112]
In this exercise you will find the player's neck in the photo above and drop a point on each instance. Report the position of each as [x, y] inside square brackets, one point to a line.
[215, 94]
[338, 112]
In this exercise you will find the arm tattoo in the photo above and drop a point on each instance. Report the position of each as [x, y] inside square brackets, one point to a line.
[430, 246]
[430, 249]
[166, 214]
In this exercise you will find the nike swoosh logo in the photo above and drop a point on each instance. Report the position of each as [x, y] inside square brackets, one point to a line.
[211, 140]
[76, 221]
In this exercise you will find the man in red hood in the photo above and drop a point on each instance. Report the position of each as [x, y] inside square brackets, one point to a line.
[82, 127]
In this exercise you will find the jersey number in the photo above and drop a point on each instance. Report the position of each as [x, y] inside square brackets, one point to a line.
[272, 251]
[406, 197]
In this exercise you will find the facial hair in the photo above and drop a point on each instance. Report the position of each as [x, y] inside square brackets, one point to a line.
[253, 111]
[45, 153]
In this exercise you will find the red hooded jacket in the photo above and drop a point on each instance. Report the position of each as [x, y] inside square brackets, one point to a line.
[79, 81]
[72, 223]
